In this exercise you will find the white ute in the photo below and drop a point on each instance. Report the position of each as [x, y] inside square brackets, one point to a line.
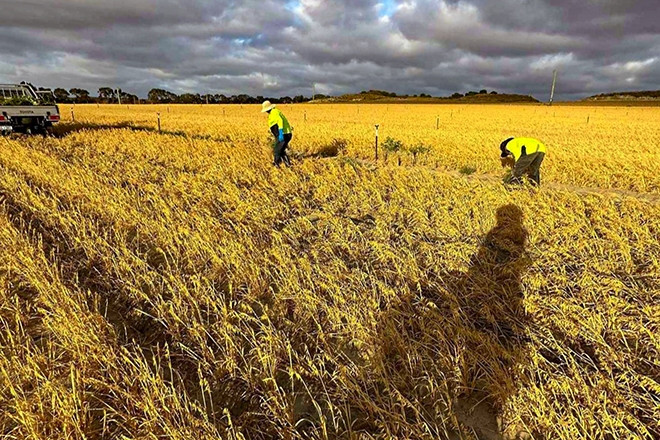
[25, 110]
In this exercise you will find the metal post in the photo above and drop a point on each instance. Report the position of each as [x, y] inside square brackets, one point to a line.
[554, 83]
[376, 142]
[158, 114]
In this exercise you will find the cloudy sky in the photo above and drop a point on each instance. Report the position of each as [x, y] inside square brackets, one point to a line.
[280, 47]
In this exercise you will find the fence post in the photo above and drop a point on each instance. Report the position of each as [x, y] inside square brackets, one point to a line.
[437, 122]
[73, 115]
[158, 114]
[376, 142]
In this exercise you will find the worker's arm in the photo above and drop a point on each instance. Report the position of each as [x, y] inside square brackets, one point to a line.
[277, 132]
[277, 127]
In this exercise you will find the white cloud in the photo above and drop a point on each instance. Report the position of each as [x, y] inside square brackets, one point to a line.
[636, 66]
[552, 61]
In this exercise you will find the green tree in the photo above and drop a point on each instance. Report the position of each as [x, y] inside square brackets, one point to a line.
[190, 98]
[61, 95]
[106, 94]
[80, 95]
[160, 96]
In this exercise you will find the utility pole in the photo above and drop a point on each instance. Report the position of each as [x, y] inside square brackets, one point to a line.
[119, 95]
[313, 91]
[554, 83]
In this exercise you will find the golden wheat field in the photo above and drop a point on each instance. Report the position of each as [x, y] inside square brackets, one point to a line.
[176, 285]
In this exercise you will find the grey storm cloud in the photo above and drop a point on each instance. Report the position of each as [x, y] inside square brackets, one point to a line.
[278, 47]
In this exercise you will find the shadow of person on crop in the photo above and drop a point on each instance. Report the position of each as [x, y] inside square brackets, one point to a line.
[493, 320]
[467, 330]
[491, 292]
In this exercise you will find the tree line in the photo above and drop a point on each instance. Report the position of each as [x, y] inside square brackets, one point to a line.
[423, 95]
[108, 95]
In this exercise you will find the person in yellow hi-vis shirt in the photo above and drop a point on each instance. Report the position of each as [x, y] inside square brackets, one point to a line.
[280, 128]
[524, 156]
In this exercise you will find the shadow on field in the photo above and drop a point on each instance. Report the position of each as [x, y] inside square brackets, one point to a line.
[452, 351]
[334, 148]
[64, 129]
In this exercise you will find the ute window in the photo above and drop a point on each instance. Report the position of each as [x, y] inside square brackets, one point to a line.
[14, 92]
[11, 91]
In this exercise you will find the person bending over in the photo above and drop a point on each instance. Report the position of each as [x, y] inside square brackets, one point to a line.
[524, 156]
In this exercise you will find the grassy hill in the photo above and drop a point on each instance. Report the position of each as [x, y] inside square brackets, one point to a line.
[648, 95]
[386, 98]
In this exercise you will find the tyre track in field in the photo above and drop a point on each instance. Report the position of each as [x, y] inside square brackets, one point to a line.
[615, 193]
[581, 190]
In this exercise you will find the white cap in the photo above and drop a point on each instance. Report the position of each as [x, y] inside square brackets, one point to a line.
[267, 106]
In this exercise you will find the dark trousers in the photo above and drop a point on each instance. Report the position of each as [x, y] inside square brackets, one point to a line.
[279, 151]
[530, 166]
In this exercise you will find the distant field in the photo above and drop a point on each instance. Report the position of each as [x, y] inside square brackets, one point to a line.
[177, 285]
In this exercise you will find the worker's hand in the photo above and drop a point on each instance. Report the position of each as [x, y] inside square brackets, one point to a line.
[281, 136]
[507, 162]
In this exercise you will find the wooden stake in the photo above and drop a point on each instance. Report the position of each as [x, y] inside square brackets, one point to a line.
[376, 142]
[158, 115]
